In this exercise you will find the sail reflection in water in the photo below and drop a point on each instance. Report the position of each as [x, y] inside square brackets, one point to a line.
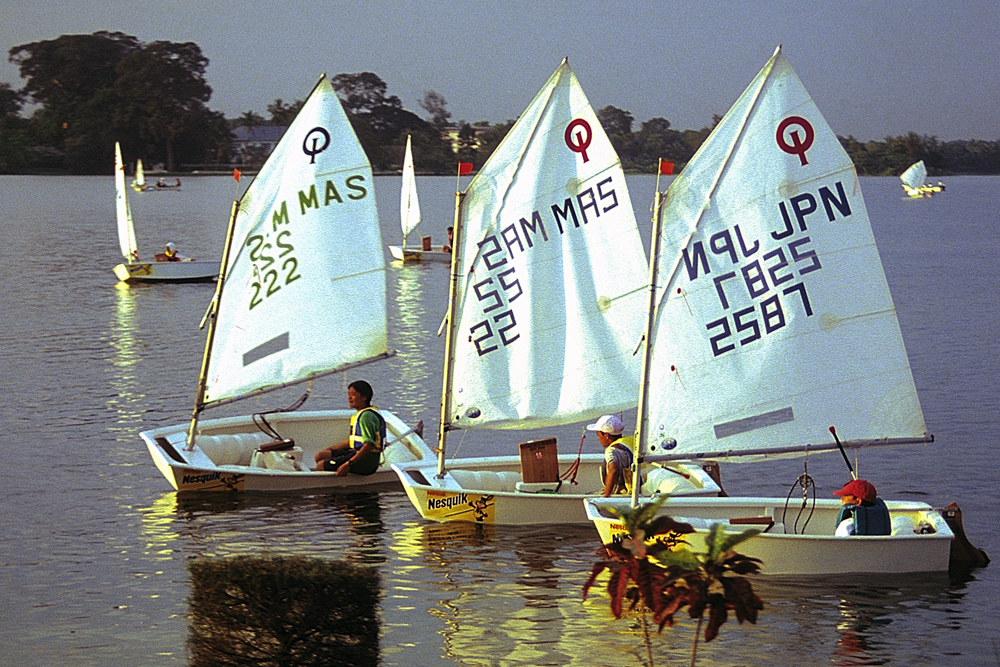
[126, 400]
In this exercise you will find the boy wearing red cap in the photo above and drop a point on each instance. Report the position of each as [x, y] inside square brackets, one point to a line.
[862, 512]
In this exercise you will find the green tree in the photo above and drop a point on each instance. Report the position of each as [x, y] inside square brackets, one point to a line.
[163, 92]
[617, 123]
[282, 113]
[435, 104]
[249, 119]
[73, 78]
[654, 140]
[13, 131]
[363, 92]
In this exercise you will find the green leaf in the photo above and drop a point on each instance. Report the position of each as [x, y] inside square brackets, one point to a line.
[685, 559]
[732, 540]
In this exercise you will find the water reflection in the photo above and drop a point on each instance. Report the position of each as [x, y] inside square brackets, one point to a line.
[127, 399]
[529, 615]
[419, 385]
[859, 620]
[348, 525]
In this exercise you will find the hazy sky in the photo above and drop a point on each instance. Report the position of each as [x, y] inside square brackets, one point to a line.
[874, 68]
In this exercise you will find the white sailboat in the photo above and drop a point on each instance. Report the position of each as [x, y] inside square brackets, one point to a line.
[914, 182]
[409, 218]
[302, 295]
[157, 270]
[139, 182]
[772, 322]
[545, 310]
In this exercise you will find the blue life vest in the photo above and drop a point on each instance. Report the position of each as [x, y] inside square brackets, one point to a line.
[868, 519]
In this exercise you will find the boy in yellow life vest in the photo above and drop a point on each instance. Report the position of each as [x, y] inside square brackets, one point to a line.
[617, 468]
[361, 453]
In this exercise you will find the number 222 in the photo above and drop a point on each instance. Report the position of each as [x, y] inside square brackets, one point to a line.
[269, 275]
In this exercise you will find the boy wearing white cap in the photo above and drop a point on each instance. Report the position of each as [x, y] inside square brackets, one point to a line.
[617, 468]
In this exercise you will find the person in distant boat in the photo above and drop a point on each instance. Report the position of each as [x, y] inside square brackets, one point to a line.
[862, 512]
[361, 453]
[170, 254]
[160, 183]
[451, 240]
[616, 471]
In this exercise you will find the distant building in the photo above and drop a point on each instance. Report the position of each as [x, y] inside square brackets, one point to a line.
[252, 144]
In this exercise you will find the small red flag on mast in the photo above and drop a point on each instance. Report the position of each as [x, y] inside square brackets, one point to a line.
[464, 168]
[236, 174]
[666, 168]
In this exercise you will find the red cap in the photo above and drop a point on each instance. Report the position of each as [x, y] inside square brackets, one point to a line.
[858, 488]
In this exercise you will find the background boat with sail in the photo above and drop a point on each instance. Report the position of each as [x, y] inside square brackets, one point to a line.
[914, 182]
[302, 295]
[773, 320]
[409, 218]
[544, 312]
[135, 270]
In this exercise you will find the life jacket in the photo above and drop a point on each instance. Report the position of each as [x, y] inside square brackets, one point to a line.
[868, 519]
[624, 481]
[356, 440]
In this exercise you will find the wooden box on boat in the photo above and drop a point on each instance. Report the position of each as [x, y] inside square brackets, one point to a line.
[539, 461]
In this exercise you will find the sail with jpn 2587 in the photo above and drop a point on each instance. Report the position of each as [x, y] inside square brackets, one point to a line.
[775, 320]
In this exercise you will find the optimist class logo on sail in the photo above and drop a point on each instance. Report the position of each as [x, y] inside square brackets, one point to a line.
[758, 275]
[496, 282]
[272, 251]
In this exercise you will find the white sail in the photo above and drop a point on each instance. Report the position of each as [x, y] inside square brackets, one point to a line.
[551, 274]
[914, 176]
[409, 206]
[775, 320]
[123, 212]
[304, 290]
[140, 176]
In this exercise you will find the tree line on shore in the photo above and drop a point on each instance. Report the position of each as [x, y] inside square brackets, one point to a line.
[92, 90]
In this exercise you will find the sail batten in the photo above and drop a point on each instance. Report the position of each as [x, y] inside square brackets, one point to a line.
[550, 274]
[774, 316]
[304, 291]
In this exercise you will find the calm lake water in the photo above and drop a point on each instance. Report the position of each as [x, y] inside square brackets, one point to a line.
[94, 547]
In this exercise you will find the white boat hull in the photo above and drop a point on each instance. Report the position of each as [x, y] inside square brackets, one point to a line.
[489, 490]
[418, 254]
[167, 271]
[220, 464]
[815, 551]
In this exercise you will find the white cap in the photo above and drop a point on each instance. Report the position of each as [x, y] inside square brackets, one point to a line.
[608, 424]
[171, 246]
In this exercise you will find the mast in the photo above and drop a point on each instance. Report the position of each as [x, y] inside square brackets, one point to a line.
[654, 252]
[211, 317]
[654, 261]
[444, 423]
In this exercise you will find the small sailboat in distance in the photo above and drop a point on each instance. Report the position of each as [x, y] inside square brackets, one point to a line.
[161, 268]
[139, 182]
[914, 182]
[409, 218]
